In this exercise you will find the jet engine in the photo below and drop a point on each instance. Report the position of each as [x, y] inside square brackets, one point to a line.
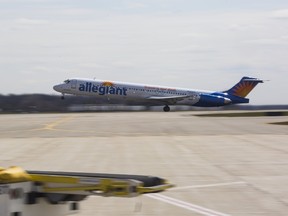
[213, 100]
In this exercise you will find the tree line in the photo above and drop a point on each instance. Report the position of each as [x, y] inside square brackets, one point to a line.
[42, 103]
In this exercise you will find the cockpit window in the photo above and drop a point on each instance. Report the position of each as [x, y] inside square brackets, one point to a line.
[67, 81]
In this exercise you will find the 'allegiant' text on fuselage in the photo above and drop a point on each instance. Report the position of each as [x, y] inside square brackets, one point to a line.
[102, 90]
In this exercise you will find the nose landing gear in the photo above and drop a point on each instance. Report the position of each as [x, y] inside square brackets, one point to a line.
[166, 108]
[62, 97]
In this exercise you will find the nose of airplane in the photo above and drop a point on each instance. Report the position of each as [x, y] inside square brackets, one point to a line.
[57, 88]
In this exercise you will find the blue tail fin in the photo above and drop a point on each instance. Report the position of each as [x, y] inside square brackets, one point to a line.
[244, 87]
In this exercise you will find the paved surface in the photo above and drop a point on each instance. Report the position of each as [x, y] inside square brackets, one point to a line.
[221, 166]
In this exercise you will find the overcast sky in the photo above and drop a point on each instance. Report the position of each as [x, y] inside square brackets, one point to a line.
[207, 44]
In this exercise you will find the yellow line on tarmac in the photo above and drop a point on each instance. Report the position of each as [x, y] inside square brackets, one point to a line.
[52, 125]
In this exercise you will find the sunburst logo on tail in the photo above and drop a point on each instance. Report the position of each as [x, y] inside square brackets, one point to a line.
[244, 88]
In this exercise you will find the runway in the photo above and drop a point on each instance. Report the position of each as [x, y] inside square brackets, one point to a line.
[221, 165]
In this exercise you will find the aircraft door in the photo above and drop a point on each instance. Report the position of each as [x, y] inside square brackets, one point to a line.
[73, 84]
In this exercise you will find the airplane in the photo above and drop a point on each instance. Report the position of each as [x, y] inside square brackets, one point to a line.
[158, 95]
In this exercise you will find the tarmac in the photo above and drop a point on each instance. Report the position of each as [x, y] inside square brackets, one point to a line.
[220, 165]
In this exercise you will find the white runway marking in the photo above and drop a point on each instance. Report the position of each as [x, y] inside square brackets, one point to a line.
[186, 205]
[190, 206]
[206, 186]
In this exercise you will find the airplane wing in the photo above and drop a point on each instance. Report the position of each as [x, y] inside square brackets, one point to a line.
[169, 99]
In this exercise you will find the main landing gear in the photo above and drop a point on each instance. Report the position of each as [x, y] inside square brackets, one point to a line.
[62, 97]
[166, 108]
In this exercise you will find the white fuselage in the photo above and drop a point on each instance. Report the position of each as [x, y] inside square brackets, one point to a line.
[130, 92]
